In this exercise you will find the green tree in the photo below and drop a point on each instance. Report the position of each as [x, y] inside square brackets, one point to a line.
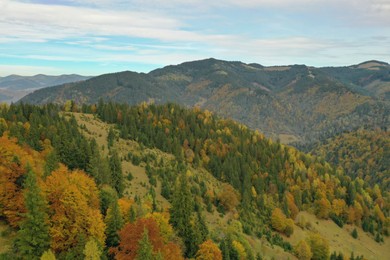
[33, 237]
[51, 163]
[354, 233]
[181, 212]
[114, 223]
[145, 249]
[110, 137]
[116, 173]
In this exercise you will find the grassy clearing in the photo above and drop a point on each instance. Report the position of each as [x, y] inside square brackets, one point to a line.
[340, 239]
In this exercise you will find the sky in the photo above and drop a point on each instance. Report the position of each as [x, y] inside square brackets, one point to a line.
[92, 37]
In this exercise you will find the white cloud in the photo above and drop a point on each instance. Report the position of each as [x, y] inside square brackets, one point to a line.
[6, 70]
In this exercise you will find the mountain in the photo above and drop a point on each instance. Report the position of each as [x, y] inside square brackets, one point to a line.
[297, 104]
[14, 87]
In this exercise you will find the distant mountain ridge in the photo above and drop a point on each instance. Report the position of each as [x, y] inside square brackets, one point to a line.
[13, 87]
[296, 103]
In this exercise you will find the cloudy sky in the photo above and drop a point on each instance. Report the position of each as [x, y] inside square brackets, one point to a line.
[92, 37]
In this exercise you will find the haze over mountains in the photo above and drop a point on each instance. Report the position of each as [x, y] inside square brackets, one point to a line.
[14, 87]
[298, 104]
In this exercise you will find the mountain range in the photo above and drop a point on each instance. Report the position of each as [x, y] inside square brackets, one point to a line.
[14, 87]
[297, 104]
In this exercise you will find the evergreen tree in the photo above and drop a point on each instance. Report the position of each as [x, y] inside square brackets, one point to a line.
[110, 137]
[116, 173]
[33, 237]
[114, 222]
[145, 250]
[51, 163]
[354, 233]
[181, 211]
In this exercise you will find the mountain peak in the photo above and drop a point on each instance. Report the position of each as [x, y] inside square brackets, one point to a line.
[371, 65]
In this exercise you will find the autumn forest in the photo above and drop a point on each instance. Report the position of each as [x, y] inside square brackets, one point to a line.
[213, 188]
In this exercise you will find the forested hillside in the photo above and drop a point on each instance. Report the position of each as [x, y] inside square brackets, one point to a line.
[364, 154]
[213, 189]
[298, 104]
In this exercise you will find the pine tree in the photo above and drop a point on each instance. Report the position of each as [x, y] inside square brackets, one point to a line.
[33, 237]
[116, 173]
[145, 249]
[114, 222]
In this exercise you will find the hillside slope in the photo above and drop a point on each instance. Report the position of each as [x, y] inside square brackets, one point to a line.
[229, 184]
[294, 103]
[361, 153]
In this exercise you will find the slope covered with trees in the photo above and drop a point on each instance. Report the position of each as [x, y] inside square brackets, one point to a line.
[364, 154]
[298, 104]
[266, 174]
[213, 170]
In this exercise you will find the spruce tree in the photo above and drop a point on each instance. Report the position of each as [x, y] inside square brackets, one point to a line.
[33, 238]
[51, 163]
[114, 222]
[116, 173]
[110, 138]
[181, 211]
[145, 249]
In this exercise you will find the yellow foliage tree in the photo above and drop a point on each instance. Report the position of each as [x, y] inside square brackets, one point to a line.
[289, 229]
[338, 206]
[124, 207]
[48, 255]
[239, 249]
[92, 251]
[319, 247]
[278, 220]
[323, 208]
[303, 251]
[162, 220]
[74, 207]
[208, 251]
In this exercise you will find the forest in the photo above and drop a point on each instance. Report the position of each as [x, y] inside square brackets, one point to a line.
[65, 197]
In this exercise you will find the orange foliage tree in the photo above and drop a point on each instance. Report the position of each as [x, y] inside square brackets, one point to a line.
[13, 161]
[74, 208]
[131, 234]
[228, 197]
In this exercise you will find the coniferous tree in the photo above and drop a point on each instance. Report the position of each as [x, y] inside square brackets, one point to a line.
[51, 163]
[116, 173]
[33, 237]
[145, 249]
[110, 137]
[114, 222]
[181, 211]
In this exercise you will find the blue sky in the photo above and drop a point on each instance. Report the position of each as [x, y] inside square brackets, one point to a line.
[92, 37]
